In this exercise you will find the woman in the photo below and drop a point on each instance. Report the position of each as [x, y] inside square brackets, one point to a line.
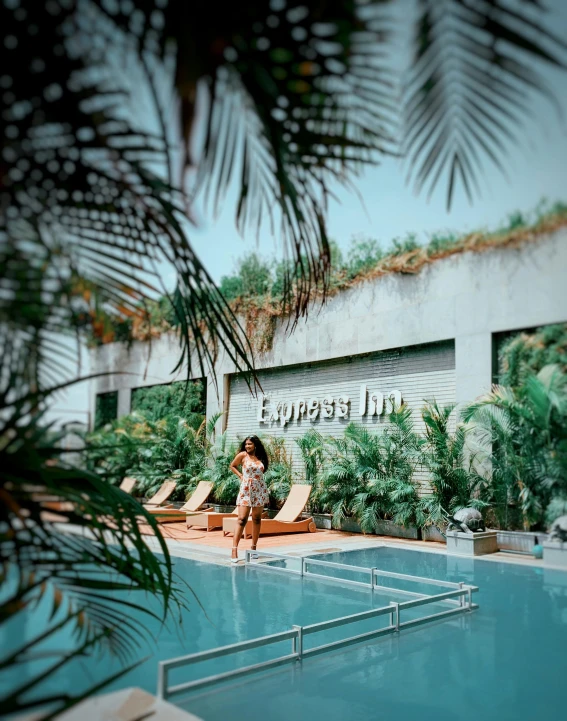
[253, 493]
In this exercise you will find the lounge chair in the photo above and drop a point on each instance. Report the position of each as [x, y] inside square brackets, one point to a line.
[52, 504]
[128, 484]
[165, 491]
[169, 514]
[286, 520]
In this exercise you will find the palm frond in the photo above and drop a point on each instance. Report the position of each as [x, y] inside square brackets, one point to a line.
[465, 98]
[93, 217]
[304, 103]
[74, 573]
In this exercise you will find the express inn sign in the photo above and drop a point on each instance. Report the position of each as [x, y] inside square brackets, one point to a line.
[285, 411]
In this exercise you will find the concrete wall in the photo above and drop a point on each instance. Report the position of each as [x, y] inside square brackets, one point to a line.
[355, 388]
[465, 298]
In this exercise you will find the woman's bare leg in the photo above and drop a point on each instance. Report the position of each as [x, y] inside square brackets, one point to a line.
[256, 523]
[243, 513]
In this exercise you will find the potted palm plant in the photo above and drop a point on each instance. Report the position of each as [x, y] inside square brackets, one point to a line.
[454, 481]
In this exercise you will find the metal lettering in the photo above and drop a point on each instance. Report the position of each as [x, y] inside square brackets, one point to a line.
[327, 408]
[313, 409]
[342, 406]
[362, 405]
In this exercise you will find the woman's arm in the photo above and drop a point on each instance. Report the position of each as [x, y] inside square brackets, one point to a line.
[237, 462]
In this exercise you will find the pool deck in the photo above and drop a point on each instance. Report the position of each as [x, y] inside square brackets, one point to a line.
[213, 547]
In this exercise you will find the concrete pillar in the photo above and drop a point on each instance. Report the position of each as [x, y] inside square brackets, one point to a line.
[473, 366]
[124, 401]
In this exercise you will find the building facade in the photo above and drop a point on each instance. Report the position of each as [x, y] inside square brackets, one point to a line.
[426, 336]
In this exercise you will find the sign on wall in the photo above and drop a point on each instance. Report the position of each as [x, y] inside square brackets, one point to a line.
[370, 403]
[328, 395]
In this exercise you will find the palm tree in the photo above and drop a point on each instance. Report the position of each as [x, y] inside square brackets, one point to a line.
[219, 456]
[371, 475]
[523, 431]
[283, 101]
[279, 476]
[453, 479]
[388, 462]
[89, 576]
[312, 448]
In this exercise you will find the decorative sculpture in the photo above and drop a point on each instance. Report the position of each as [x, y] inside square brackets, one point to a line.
[558, 530]
[467, 520]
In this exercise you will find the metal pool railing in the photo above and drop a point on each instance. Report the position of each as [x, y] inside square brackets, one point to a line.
[460, 597]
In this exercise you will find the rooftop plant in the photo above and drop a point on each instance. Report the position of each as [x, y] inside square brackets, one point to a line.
[256, 290]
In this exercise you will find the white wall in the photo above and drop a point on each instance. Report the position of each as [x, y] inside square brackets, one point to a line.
[466, 298]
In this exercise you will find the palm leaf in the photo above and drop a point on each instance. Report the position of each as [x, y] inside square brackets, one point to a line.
[90, 576]
[296, 98]
[93, 217]
[465, 98]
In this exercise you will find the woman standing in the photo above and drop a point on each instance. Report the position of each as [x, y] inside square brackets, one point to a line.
[253, 493]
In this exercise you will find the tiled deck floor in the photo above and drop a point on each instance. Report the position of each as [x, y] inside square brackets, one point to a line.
[214, 547]
[214, 541]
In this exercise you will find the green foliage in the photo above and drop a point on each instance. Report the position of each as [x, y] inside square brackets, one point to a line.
[164, 438]
[253, 278]
[85, 585]
[185, 399]
[219, 457]
[556, 507]
[403, 245]
[527, 353]
[370, 475]
[452, 477]
[279, 476]
[152, 451]
[523, 431]
[363, 254]
[106, 408]
[441, 242]
[388, 461]
[312, 448]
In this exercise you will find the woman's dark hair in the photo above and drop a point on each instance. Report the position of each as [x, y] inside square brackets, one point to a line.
[259, 450]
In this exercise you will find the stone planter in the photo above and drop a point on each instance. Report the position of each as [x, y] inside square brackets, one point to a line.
[389, 528]
[222, 509]
[471, 544]
[384, 528]
[430, 533]
[519, 541]
[555, 554]
[322, 520]
[350, 526]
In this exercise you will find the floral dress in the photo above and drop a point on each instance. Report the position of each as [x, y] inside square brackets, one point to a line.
[253, 489]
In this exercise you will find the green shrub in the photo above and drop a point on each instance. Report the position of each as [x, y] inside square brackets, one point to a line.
[524, 434]
[253, 278]
[363, 254]
[453, 480]
[279, 476]
[187, 400]
[220, 455]
[152, 451]
[370, 476]
[106, 408]
[527, 353]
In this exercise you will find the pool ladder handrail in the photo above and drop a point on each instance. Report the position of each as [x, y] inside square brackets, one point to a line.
[460, 591]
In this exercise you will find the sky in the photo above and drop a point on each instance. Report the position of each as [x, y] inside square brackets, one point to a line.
[536, 169]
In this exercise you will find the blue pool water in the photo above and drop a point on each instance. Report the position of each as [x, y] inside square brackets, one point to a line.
[508, 660]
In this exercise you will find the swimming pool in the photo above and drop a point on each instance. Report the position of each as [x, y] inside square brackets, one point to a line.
[507, 660]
